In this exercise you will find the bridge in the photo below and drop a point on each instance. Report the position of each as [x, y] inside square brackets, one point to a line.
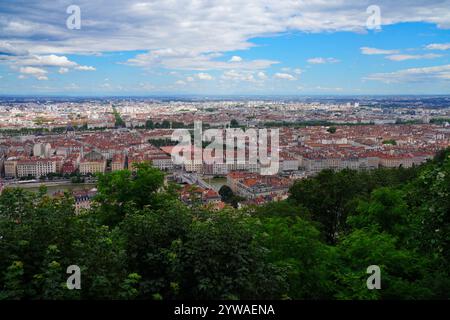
[191, 178]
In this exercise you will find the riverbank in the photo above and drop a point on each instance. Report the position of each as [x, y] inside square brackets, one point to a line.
[52, 186]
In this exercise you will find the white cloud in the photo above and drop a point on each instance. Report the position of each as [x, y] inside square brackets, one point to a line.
[32, 71]
[298, 71]
[403, 57]
[372, 51]
[238, 76]
[38, 73]
[63, 70]
[47, 61]
[6, 49]
[204, 76]
[198, 28]
[194, 60]
[320, 88]
[413, 75]
[17, 61]
[85, 68]
[284, 76]
[180, 83]
[235, 59]
[190, 79]
[438, 46]
[320, 60]
[261, 75]
[189, 35]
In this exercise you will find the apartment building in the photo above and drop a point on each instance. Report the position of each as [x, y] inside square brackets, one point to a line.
[252, 185]
[10, 166]
[36, 167]
[118, 162]
[162, 162]
[92, 166]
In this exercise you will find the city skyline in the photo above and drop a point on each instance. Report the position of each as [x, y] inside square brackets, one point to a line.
[231, 48]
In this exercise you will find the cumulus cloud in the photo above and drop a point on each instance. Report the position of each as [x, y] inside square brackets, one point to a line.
[204, 76]
[63, 70]
[22, 60]
[235, 59]
[85, 68]
[413, 75]
[238, 76]
[200, 27]
[438, 46]
[284, 76]
[320, 89]
[261, 75]
[6, 49]
[189, 35]
[330, 89]
[320, 60]
[395, 55]
[47, 61]
[372, 51]
[32, 70]
[403, 57]
[194, 60]
[38, 73]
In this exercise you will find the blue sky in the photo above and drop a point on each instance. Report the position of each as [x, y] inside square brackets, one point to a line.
[224, 47]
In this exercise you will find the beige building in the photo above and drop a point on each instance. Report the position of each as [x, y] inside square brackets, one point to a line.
[11, 167]
[35, 167]
[118, 162]
[162, 162]
[393, 161]
[92, 166]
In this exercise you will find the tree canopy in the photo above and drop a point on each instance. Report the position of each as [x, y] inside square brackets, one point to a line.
[139, 241]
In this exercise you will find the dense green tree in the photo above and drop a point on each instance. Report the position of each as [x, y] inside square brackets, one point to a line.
[220, 260]
[234, 123]
[148, 235]
[227, 195]
[331, 196]
[121, 190]
[149, 124]
[332, 130]
[386, 211]
[402, 270]
[14, 285]
[140, 242]
[295, 245]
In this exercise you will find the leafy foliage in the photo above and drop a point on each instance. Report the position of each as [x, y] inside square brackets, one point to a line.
[140, 242]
